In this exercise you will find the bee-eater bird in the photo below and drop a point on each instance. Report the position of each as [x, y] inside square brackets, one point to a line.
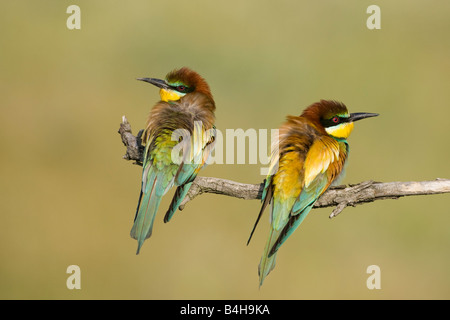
[312, 151]
[182, 122]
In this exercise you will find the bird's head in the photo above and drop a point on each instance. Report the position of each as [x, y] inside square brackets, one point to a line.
[334, 117]
[179, 83]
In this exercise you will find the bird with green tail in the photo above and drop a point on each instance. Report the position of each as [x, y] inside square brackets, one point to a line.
[310, 156]
[179, 138]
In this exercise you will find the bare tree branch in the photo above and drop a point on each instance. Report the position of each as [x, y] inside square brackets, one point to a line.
[339, 196]
[135, 150]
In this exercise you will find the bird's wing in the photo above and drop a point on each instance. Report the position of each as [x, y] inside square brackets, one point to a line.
[322, 153]
[321, 163]
[324, 161]
[196, 152]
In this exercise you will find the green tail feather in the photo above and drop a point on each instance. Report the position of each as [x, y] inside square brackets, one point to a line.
[180, 193]
[293, 223]
[143, 223]
[275, 240]
[268, 263]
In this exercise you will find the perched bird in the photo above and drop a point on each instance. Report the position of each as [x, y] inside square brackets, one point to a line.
[312, 151]
[179, 138]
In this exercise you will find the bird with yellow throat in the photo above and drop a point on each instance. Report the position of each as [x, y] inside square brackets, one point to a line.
[179, 137]
[312, 150]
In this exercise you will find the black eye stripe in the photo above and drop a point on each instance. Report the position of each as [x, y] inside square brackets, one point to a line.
[182, 88]
[332, 122]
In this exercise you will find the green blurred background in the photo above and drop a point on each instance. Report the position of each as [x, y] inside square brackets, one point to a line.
[68, 197]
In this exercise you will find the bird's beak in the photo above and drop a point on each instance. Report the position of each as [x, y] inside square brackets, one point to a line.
[156, 82]
[361, 115]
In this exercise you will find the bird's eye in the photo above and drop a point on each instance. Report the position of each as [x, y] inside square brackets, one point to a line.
[335, 119]
[181, 88]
